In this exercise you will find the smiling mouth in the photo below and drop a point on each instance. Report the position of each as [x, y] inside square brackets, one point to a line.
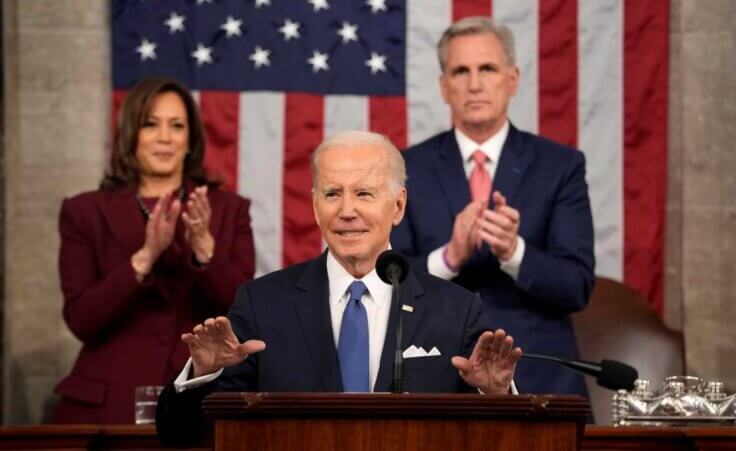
[351, 233]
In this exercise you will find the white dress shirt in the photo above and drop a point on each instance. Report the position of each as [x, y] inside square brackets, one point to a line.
[377, 303]
[492, 148]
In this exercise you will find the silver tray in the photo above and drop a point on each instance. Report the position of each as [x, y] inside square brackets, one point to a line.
[664, 420]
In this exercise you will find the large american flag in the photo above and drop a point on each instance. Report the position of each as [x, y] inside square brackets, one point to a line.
[273, 77]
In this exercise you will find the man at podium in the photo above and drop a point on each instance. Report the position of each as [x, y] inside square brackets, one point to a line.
[326, 325]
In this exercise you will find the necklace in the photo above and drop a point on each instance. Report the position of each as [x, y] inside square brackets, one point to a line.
[146, 211]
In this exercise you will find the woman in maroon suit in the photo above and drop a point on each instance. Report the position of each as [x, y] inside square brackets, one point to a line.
[156, 250]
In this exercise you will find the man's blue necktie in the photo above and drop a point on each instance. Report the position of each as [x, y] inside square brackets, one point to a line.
[352, 347]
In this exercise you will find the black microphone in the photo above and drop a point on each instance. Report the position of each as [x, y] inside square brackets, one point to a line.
[609, 373]
[393, 268]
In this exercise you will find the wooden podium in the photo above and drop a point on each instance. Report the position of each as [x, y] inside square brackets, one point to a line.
[387, 422]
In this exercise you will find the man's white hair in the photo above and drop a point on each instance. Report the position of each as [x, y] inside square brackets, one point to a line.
[352, 139]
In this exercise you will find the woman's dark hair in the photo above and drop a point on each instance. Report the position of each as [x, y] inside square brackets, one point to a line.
[123, 169]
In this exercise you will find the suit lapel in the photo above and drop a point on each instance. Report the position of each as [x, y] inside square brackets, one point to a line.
[511, 166]
[123, 218]
[451, 174]
[313, 311]
[411, 294]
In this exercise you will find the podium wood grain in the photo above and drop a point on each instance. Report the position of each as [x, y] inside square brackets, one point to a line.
[296, 422]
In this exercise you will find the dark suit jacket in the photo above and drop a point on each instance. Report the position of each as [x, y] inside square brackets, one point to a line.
[289, 310]
[130, 331]
[545, 181]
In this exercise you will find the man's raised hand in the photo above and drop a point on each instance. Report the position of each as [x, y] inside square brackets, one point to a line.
[213, 345]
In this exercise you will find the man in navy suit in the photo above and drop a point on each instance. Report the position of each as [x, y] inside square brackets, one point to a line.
[327, 324]
[500, 211]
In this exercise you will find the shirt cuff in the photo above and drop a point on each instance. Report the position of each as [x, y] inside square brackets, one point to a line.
[181, 383]
[437, 267]
[513, 264]
[514, 391]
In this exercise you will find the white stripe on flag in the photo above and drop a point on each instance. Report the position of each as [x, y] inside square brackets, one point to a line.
[426, 111]
[344, 112]
[260, 172]
[601, 125]
[522, 16]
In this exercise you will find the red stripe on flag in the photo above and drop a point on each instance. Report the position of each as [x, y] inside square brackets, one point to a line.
[220, 112]
[303, 132]
[466, 8]
[118, 96]
[388, 116]
[558, 70]
[646, 49]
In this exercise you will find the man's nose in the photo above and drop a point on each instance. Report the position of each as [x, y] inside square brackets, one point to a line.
[474, 83]
[347, 206]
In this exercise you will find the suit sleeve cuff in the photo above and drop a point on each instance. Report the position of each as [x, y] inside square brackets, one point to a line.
[437, 267]
[182, 382]
[513, 264]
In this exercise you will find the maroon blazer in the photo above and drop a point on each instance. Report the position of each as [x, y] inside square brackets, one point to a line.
[131, 331]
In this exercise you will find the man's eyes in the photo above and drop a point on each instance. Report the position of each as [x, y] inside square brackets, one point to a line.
[484, 68]
[360, 194]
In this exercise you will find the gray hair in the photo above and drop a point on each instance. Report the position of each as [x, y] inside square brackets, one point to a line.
[477, 25]
[351, 139]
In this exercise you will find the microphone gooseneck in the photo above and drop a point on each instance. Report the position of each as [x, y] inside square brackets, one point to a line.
[609, 373]
[392, 268]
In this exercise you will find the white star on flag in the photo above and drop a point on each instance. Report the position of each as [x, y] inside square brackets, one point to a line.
[231, 26]
[147, 49]
[260, 3]
[376, 5]
[290, 30]
[175, 22]
[348, 32]
[319, 4]
[318, 61]
[376, 63]
[203, 55]
[260, 57]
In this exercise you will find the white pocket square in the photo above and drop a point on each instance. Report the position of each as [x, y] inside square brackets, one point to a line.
[413, 352]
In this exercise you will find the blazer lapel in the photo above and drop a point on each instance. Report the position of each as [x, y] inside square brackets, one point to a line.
[313, 311]
[451, 175]
[511, 166]
[410, 294]
[123, 218]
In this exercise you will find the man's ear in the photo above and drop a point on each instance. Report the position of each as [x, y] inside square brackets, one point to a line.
[401, 200]
[514, 80]
[314, 207]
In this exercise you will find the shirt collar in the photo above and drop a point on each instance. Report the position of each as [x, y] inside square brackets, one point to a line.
[491, 147]
[340, 279]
